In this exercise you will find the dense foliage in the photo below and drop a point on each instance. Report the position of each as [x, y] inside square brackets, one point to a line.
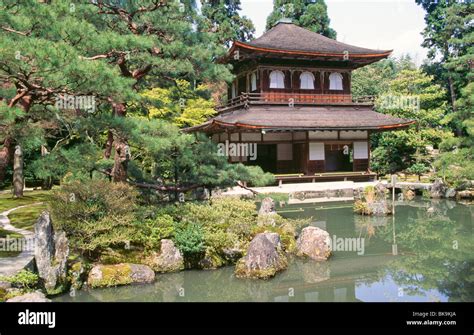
[146, 64]
[95, 214]
[311, 15]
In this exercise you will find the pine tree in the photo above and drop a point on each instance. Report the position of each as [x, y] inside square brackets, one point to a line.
[113, 52]
[222, 19]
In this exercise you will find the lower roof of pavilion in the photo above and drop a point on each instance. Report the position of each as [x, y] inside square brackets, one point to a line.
[302, 118]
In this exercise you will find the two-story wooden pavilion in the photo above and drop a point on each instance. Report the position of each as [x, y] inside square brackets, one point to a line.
[292, 96]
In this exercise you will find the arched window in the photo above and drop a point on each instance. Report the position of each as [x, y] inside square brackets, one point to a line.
[307, 81]
[253, 82]
[335, 81]
[277, 79]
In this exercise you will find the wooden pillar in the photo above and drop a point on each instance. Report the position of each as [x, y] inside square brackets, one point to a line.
[368, 150]
[321, 76]
[349, 79]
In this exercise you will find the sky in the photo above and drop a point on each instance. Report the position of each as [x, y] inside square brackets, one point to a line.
[374, 24]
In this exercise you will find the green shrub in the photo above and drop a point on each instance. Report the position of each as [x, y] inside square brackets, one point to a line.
[152, 231]
[189, 238]
[24, 280]
[418, 169]
[221, 213]
[95, 214]
[220, 240]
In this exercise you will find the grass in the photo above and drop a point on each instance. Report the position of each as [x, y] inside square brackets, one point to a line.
[3, 234]
[24, 218]
[7, 201]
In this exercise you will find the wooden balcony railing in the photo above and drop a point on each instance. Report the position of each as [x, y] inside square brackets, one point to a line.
[278, 98]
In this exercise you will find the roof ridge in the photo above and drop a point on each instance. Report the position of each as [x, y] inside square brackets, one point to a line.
[268, 38]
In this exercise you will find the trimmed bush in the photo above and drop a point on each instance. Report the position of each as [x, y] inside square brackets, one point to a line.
[96, 215]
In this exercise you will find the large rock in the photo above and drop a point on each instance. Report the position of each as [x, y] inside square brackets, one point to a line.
[466, 194]
[379, 208]
[51, 253]
[267, 207]
[232, 255]
[169, 259]
[438, 189]
[314, 243]
[77, 274]
[380, 192]
[211, 260]
[30, 297]
[267, 214]
[119, 274]
[264, 258]
[450, 193]
[408, 194]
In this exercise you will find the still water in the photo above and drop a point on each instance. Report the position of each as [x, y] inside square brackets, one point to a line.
[424, 253]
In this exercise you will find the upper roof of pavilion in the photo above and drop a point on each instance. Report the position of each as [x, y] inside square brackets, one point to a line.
[287, 40]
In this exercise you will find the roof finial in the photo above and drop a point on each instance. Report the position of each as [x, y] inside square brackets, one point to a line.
[284, 20]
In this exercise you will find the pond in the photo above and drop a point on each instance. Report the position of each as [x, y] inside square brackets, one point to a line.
[424, 253]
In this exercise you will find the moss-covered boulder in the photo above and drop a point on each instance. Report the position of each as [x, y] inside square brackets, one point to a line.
[211, 260]
[119, 274]
[314, 243]
[37, 296]
[169, 259]
[77, 273]
[264, 258]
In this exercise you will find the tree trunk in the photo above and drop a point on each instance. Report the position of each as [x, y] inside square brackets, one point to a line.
[109, 145]
[47, 183]
[6, 153]
[121, 158]
[18, 178]
[122, 150]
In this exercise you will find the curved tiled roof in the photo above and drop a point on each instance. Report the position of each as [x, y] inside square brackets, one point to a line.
[290, 37]
[311, 118]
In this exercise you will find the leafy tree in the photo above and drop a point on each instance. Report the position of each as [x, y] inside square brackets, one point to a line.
[418, 169]
[411, 95]
[448, 37]
[110, 50]
[373, 79]
[311, 15]
[179, 104]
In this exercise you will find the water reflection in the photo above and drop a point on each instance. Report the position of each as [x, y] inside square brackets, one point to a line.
[424, 253]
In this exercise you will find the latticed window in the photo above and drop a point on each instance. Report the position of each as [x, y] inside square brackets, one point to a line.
[277, 79]
[335, 81]
[307, 81]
